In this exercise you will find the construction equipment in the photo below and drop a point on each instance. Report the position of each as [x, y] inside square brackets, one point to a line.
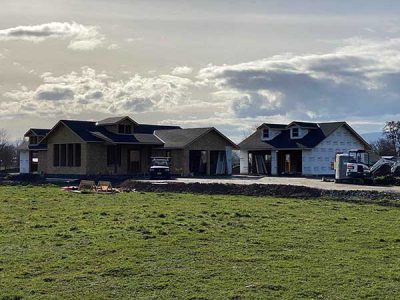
[355, 167]
[352, 167]
[160, 168]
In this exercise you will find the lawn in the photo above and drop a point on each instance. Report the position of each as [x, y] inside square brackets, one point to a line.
[58, 245]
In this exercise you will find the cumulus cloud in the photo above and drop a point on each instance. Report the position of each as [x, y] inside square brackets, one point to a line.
[81, 37]
[357, 82]
[76, 93]
[358, 79]
[182, 70]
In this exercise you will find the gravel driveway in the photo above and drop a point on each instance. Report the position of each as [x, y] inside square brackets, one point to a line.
[308, 182]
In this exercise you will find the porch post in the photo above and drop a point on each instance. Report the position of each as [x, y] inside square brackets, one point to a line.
[208, 163]
[244, 162]
[274, 162]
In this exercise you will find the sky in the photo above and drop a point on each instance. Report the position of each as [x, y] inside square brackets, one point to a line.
[229, 64]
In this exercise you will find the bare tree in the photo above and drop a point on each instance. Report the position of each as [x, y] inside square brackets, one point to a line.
[384, 147]
[8, 151]
[392, 133]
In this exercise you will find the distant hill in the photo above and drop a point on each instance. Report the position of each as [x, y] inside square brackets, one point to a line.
[371, 136]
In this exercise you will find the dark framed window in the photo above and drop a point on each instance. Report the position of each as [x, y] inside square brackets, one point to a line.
[124, 129]
[113, 155]
[78, 155]
[70, 155]
[63, 155]
[266, 133]
[33, 140]
[121, 128]
[295, 132]
[56, 155]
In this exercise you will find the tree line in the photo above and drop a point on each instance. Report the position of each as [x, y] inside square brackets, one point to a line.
[389, 143]
[8, 151]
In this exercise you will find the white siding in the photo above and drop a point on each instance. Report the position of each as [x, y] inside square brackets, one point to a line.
[318, 160]
[24, 162]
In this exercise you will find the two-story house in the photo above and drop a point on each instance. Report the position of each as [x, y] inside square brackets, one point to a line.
[298, 148]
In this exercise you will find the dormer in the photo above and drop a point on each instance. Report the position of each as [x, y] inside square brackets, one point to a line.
[270, 131]
[35, 135]
[298, 130]
[118, 125]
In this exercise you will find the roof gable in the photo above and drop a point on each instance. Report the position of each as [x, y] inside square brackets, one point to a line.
[115, 120]
[181, 138]
[37, 131]
[272, 126]
[308, 125]
[89, 132]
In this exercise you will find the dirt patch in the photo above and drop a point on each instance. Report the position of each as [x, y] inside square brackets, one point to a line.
[262, 190]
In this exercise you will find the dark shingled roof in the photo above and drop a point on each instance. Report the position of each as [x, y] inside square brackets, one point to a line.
[38, 131]
[304, 124]
[90, 132]
[148, 128]
[273, 126]
[179, 138]
[135, 138]
[315, 136]
[83, 129]
[113, 120]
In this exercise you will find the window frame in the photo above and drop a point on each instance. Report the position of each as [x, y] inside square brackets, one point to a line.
[264, 137]
[114, 155]
[63, 155]
[78, 155]
[56, 155]
[297, 135]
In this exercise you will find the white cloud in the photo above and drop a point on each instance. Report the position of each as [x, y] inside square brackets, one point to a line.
[182, 70]
[359, 79]
[131, 40]
[81, 37]
[113, 47]
[76, 93]
[357, 82]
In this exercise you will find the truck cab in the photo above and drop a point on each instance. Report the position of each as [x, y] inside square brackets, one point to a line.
[358, 164]
[160, 168]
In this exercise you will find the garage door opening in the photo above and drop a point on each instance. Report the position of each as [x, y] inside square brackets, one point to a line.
[198, 162]
[290, 162]
[218, 163]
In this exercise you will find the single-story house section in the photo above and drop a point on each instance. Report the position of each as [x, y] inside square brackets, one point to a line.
[299, 148]
[121, 146]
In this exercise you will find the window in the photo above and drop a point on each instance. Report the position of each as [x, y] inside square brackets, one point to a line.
[121, 128]
[33, 140]
[77, 155]
[124, 129]
[63, 155]
[67, 155]
[70, 155]
[128, 129]
[56, 155]
[295, 132]
[113, 155]
[265, 133]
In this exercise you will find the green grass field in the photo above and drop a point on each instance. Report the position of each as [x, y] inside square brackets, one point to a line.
[58, 245]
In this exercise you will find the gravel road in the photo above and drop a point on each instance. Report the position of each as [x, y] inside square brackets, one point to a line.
[297, 181]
